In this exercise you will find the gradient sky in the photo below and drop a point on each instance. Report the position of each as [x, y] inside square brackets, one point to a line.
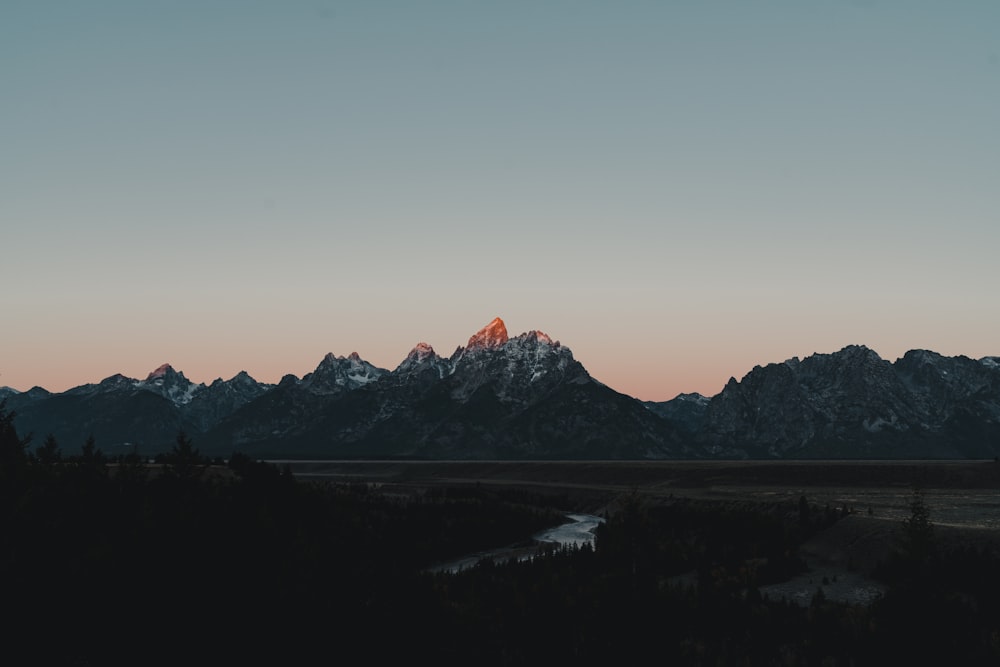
[676, 190]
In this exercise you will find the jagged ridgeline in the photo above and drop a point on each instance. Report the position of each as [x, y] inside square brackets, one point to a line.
[496, 398]
[527, 397]
[853, 404]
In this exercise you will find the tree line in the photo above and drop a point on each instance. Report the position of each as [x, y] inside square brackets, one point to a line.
[115, 561]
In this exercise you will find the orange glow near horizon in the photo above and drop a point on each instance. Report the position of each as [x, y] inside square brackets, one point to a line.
[654, 367]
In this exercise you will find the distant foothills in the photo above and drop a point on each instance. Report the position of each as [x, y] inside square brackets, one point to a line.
[526, 397]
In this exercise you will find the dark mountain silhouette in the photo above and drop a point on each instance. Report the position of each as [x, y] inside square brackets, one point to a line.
[496, 398]
[853, 404]
[125, 412]
[503, 397]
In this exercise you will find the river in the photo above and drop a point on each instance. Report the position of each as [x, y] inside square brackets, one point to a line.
[579, 530]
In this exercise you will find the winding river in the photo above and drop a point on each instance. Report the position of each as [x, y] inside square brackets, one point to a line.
[579, 530]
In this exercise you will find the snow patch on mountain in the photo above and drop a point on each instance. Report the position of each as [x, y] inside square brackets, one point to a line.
[991, 362]
[170, 384]
[516, 369]
[336, 374]
[878, 423]
[695, 398]
[423, 358]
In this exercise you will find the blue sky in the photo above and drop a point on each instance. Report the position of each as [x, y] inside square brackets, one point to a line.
[675, 190]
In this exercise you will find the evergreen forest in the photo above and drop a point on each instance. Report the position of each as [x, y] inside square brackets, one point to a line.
[189, 561]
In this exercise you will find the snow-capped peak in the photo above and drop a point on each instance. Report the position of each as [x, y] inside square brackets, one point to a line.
[167, 382]
[541, 337]
[421, 351]
[337, 373]
[423, 357]
[491, 336]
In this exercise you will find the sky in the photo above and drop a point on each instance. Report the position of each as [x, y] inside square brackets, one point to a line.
[676, 190]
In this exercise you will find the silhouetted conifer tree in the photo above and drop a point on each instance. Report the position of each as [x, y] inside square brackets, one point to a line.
[13, 457]
[91, 455]
[184, 460]
[49, 453]
[917, 540]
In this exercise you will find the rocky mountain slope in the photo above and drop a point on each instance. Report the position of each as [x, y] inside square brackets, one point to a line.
[496, 398]
[853, 404]
[502, 397]
[122, 412]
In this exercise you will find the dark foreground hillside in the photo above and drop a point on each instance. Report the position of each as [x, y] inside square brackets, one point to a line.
[125, 563]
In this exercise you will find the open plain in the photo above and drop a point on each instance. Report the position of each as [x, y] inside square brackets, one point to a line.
[959, 493]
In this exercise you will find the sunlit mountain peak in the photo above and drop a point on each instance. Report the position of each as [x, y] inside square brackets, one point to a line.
[160, 372]
[491, 336]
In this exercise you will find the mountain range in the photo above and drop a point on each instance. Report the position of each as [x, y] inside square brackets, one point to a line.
[526, 397]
